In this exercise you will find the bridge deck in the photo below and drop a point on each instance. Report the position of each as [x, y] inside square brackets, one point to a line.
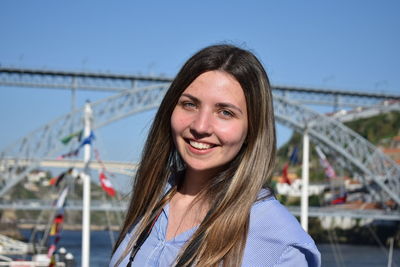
[332, 211]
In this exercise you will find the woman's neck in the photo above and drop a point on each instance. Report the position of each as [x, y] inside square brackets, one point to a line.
[195, 181]
[187, 208]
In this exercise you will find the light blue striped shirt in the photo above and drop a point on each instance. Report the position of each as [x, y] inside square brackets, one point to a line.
[275, 238]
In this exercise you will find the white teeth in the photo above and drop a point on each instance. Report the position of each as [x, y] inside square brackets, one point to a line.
[199, 145]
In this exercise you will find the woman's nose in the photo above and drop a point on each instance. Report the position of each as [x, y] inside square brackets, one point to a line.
[202, 124]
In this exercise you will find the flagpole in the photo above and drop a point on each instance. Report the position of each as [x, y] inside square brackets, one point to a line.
[86, 189]
[305, 180]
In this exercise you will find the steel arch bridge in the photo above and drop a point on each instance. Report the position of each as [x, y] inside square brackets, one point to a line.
[377, 171]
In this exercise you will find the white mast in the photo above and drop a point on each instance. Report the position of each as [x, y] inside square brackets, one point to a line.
[86, 189]
[390, 258]
[304, 187]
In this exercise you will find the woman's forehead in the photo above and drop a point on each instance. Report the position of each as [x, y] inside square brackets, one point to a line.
[216, 85]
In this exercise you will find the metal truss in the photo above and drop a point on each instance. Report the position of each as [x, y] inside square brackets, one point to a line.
[379, 172]
[361, 112]
[74, 80]
[335, 98]
[117, 82]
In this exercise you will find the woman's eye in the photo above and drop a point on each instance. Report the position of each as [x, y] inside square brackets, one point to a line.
[227, 113]
[188, 105]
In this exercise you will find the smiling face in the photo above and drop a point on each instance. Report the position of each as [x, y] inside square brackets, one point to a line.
[209, 123]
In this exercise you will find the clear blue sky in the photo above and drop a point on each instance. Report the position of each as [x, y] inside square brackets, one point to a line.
[325, 44]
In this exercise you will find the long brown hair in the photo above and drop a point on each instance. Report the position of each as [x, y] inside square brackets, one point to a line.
[222, 235]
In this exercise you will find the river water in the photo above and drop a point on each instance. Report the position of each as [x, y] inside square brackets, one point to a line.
[346, 255]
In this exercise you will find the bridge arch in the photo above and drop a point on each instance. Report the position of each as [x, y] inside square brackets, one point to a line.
[375, 167]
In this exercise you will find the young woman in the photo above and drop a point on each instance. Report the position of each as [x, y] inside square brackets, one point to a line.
[200, 196]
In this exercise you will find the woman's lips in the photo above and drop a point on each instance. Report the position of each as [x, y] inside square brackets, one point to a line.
[200, 146]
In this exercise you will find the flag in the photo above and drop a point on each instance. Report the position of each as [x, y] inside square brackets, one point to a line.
[88, 140]
[57, 223]
[51, 250]
[53, 229]
[293, 157]
[61, 199]
[52, 262]
[56, 227]
[285, 174]
[59, 218]
[106, 184]
[104, 181]
[329, 171]
[68, 138]
[53, 180]
[339, 200]
[72, 153]
[60, 178]
[57, 180]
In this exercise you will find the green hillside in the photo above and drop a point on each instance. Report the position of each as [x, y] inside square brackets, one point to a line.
[378, 129]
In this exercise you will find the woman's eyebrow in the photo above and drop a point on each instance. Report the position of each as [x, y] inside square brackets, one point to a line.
[229, 105]
[193, 98]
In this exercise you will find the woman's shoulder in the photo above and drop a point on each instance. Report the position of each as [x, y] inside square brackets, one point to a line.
[269, 215]
[275, 235]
